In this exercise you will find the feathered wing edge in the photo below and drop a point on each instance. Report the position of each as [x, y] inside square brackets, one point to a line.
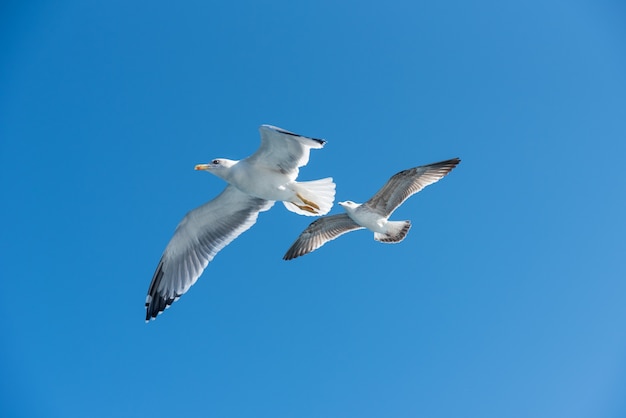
[284, 150]
[406, 183]
[319, 233]
[201, 234]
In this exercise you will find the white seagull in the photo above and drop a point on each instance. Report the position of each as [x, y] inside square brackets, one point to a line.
[374, 213]
[255, 183]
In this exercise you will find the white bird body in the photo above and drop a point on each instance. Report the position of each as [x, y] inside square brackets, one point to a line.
[365, 218]
[254, 184]
[271, 172]
[261, 182]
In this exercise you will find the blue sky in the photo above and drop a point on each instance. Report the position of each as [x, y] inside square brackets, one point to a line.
[505, 300]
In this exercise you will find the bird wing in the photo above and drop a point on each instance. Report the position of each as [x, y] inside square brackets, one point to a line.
[406, 183]
[282, 150]
[201, 234]
[319, 233]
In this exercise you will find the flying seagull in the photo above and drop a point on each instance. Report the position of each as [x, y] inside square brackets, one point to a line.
[374, 213]
[255, 183]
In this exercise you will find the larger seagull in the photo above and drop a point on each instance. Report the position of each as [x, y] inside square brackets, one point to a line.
[374, 213]
[255, 183]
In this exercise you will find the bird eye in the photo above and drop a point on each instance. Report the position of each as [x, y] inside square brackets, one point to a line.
[216, 162]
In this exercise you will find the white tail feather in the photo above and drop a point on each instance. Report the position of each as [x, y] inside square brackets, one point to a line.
[320, 192]
[396, 232]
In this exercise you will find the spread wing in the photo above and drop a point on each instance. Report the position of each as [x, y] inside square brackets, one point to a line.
[406, 183]
[282, 150]
[201, 234]
[319, 233]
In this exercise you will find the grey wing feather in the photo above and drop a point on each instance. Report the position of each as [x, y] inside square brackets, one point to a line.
[319, 233]
[283, 150]
[201, 234]
[406, 183]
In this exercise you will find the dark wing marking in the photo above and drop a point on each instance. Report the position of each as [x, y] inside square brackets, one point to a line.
[282, 150]
[284, 131]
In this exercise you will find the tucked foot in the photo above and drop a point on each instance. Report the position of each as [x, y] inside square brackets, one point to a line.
[307, 202]
[307, 208]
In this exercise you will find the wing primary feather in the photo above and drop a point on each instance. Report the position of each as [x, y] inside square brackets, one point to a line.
[406, 183]
[284, 131]
[319, 232]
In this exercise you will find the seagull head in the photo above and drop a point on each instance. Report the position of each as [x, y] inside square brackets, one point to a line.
[349, 205]
[220, 167]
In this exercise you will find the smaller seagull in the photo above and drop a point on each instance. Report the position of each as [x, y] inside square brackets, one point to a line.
[374, 213]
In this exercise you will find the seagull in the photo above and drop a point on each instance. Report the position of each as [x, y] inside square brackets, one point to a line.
[374, 213]
[254, 184]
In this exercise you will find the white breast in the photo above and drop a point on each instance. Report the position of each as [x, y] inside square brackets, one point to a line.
[368, 218]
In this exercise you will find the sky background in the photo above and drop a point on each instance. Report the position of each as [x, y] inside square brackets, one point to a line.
[506, 299]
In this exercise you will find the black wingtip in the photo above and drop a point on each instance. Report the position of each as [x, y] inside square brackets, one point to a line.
[318, 140]
[451, 163]
[157, 305]
[290, 255]
[454, 161]
[284, 131]
[155, 302]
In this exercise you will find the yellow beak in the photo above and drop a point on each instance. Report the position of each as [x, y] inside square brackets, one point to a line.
[202, 167]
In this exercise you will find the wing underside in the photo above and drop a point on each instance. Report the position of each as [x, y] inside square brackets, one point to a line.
[201, 234]
[319, 233]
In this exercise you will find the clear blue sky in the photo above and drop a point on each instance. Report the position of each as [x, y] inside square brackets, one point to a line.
[507, 299]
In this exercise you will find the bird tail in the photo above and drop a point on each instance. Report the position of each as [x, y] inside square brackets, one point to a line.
[396, 231]
[313, 198]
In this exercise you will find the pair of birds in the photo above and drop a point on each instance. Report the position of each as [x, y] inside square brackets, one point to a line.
[254, 184]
